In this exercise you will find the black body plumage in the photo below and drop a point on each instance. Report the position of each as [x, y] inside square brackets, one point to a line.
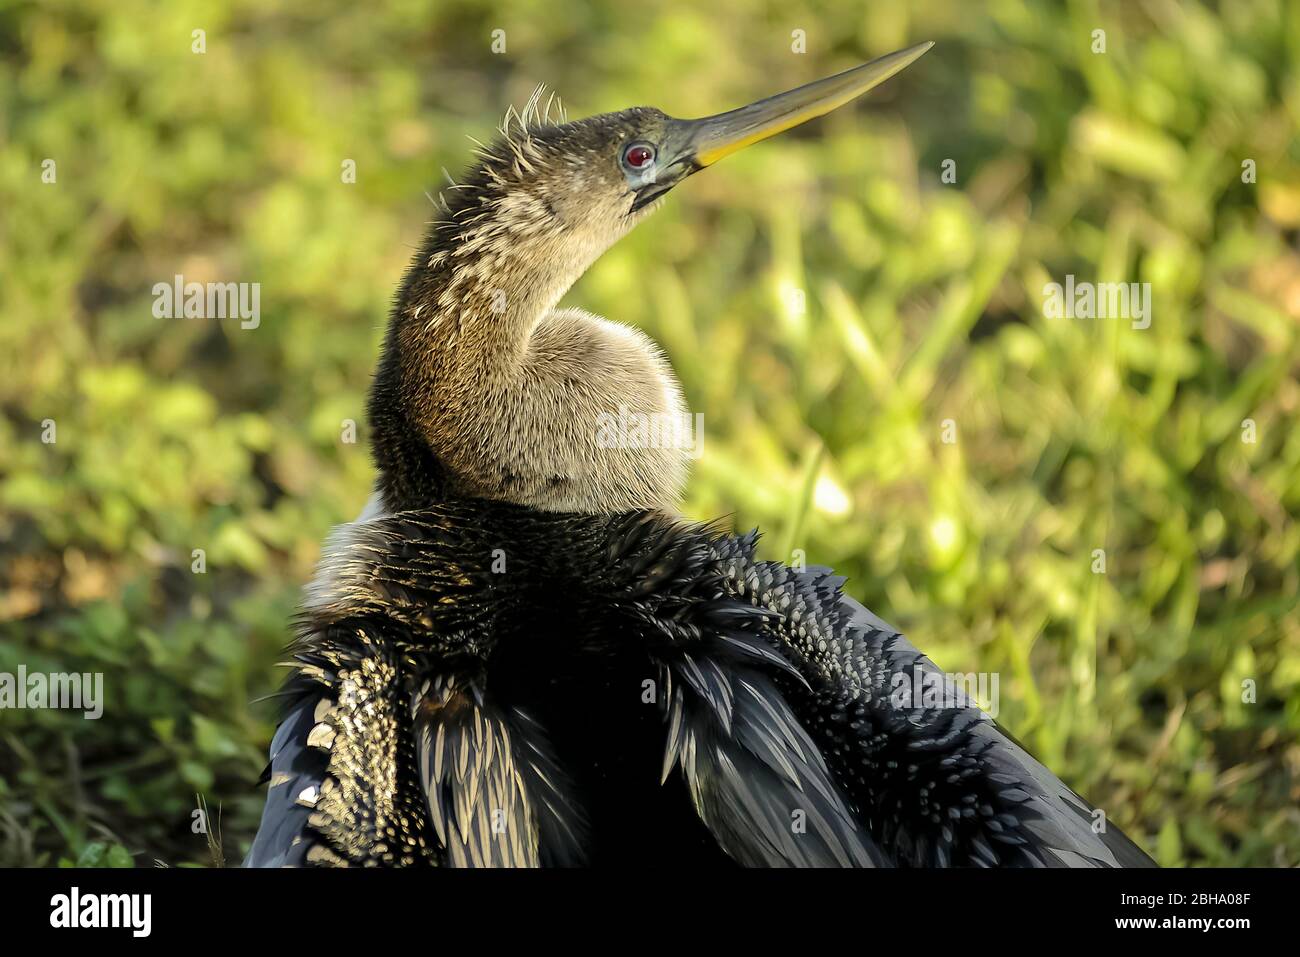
[487, 684]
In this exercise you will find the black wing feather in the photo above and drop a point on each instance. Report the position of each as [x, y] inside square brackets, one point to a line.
[295, 773]
[938, 786]
[496, 796]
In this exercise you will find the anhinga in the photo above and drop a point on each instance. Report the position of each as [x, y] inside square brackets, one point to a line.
[519, 655]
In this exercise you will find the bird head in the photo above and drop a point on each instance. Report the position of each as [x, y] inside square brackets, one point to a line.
[658, 151]
[572, 189]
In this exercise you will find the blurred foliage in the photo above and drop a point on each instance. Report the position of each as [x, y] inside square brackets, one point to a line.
[827, 300]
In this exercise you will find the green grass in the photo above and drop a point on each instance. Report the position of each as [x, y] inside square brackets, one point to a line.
[824, 426]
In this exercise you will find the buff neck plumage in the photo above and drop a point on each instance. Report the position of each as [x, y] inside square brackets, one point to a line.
[485, 389]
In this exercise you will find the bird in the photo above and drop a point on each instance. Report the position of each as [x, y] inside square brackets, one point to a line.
[521, 655]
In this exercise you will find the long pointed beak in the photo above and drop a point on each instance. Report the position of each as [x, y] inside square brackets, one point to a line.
[712, 138]
[690, 145]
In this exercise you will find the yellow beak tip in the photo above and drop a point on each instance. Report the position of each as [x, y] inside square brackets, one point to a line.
[724, 134]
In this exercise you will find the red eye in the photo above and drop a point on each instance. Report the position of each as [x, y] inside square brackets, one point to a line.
[638, 156]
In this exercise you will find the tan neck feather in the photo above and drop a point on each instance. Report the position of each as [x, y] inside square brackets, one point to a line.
[515, 398]
[512, 397]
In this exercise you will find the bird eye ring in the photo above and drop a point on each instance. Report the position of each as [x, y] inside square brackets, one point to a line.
[638, 156]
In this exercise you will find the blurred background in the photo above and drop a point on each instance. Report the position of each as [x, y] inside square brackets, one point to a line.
[831, 305]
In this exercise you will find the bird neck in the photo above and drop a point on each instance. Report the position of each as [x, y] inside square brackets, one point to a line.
[486, 390]
[457, 338]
